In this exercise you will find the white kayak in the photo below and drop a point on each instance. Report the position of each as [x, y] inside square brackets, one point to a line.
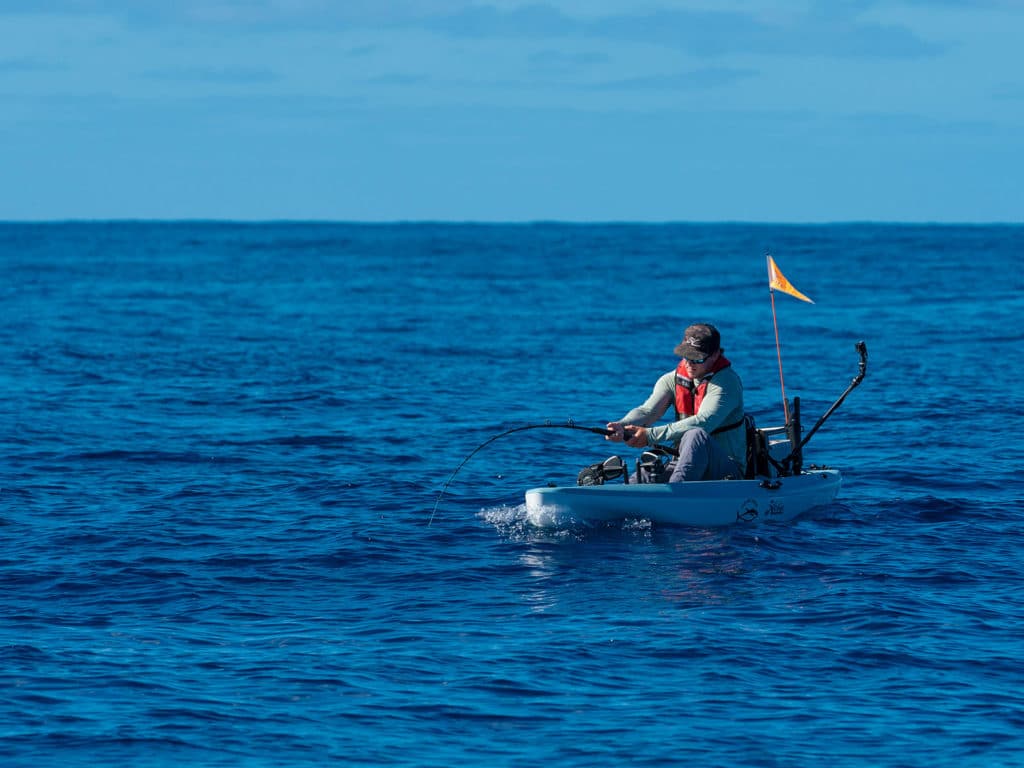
[780, 487]
[781, 490]
[707, 503]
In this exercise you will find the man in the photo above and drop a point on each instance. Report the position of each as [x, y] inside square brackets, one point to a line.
[707, 395]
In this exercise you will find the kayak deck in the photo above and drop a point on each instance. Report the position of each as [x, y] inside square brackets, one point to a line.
[708, 503]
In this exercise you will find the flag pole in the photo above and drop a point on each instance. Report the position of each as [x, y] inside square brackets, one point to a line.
[777, 280]
[778, 348]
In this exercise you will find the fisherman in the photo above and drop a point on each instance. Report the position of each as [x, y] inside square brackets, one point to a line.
[708, 430]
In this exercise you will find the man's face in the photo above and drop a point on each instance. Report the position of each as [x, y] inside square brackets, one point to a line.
[697, 370]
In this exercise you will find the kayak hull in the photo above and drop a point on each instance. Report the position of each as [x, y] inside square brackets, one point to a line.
[710, 503]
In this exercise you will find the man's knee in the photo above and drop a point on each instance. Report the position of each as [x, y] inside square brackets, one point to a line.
[693, 439]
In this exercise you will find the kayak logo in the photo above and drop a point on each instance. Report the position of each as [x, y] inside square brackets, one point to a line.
[747, 511]
[775, 509]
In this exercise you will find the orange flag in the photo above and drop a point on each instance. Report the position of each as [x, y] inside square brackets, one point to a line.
[777, 281]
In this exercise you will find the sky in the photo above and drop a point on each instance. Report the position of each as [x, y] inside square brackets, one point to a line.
[499, 110]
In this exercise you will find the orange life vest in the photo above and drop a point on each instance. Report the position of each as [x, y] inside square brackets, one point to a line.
[688, 397]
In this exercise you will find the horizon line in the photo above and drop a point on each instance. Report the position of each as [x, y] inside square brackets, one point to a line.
[513, 222]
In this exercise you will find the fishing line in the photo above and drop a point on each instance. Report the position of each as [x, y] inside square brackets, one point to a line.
[545, 425]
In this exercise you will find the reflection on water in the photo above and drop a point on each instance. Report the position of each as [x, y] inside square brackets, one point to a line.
[685, 566]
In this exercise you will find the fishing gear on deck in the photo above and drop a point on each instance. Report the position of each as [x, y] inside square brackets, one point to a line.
[600, 473]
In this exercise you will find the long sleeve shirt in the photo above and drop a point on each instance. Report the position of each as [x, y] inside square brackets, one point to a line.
[722, 405]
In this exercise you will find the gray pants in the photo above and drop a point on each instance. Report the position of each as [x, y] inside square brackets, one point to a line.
[700, 458]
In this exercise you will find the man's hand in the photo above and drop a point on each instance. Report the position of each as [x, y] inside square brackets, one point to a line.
[630, 434]
[636, 437]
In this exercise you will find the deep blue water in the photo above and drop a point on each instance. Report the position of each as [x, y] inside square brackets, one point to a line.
[222, 445]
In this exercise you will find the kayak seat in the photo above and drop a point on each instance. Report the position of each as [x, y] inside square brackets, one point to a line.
[758, 464]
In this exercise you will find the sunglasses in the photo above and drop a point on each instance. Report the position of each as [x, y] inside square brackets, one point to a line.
[697, 362]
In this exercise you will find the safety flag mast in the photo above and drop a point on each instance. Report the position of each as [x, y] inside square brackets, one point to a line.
[778, 282]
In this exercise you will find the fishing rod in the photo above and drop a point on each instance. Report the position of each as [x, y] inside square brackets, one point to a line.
[546, 425]
[795, 456]
[862, 350]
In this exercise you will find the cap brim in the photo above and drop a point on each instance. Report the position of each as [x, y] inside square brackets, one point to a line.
[687, 353]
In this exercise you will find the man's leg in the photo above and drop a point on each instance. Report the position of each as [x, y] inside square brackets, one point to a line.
[700, 458]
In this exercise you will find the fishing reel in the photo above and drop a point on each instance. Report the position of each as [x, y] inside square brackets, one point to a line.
[598, 474]
[652, 466]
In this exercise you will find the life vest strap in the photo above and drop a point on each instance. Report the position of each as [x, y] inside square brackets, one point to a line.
[727, 427]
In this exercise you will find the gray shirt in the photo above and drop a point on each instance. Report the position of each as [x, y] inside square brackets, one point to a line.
[722, 405]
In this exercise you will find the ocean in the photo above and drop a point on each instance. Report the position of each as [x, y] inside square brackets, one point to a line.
[223, 540]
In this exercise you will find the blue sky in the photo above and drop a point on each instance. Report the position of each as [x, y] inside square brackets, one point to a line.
[577, 110]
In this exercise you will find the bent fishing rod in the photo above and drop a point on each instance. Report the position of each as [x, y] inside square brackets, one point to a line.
[546, 425]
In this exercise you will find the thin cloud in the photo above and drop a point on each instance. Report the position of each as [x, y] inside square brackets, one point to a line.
[699, 79]
[278, 13]
[235, 76]
[558, 64]
[1010, 92]
[830, 29]
[398, 79]
[968, 4]
[893, 124]
[533, 22]
[25, 64]
[717, 33]
[554, 58]
[832, 33]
